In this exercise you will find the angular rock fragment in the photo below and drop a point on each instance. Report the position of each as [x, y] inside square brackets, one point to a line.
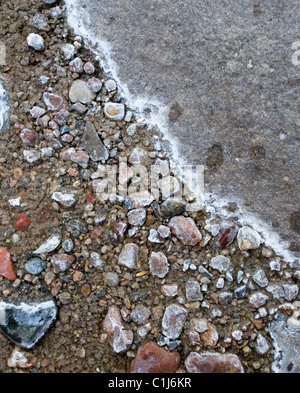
[21, 359]
[151, 358]
[81, 92]
[193, 291]
[114, 111]
[220, 263]
[258, 299]
[49, 245]
[25, 323]
[208, 333]
[140, 314]
[213, 363]
[29, 138]
[120, 337]
[36, 41]
[184, 228]
[137, 217]
[260, 278]
[226, 236]
[129, 256]
[35, 266]
[92, 143]
[173, 320]
[65, 199]
[248, 239]
[172, 207]
[62, 262]
[158, 264]
[6, 265]
[53, 101]
[141, 198]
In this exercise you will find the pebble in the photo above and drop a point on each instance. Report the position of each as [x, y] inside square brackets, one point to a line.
[81, 92]
[141, 198]
[49, 245]
[151, 358]
[62, 117]
[68, 245]
[290, 291]
[25, 323]
[96, 261]
[65, 199]
[68, 50]
[89, 68]
[220, 263]
[6, 265]
[81, 158]
[137, 217]
[110, 85]
[241, 292]
[173, 320]
[112, 279]
[21, 359]
[208, 333]
[140, 314]
[94, 84]
[261, 345]
[260, 278]
[31, 156]
[76, 65]
[226, 236]
[248, 239]
[164, 231]
[36, 41]
[138, 156]
[37, 112]
[172, 207]
[39, 22]
[193, 291]
[170, 289]
[92, 143]
[62, 262]
[35, 266]
[53, 101]
[184, 228]
[120, 337]
[114, 111]
[154, 237]
[23, 222]
[258, 299]
[213, 363]
[129, 256]
[158, 264]
[50, 1]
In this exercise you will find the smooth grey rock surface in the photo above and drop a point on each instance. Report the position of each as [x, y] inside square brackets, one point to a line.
[92, 143]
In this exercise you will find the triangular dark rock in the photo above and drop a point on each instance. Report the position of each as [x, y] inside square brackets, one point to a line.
[25, 323]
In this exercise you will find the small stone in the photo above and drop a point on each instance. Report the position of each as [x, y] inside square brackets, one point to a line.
[173, 320]
[65, 298]
[78, 225]
[37, 112]
[170, 289]
[213, 363]
[172, 207]
[248, 239]
[260, 278]
[64, 199]
[52, 101]
[92, 143]
[220, 263]
[129, 256]
[68, 245]
[81, 158]
[114, 111]
[110, 85]
[35, 266]
[138, 156]
[137, 217]
[225, 298]
[39, 22]
[31, 156]
[164, 231]
[261, 346]
[86, 290]
[141, 199]
[258, 299]
[68, 51]
[61, 117]
[208, 333]
[119, 335]
[89, 68]
[23, 222]
[79, 107]
[21, 359]
[241, 292]
[96, 261]
[25, 323]
[78, 276]
[276, 290]
[62, 262]
[81, 92]
[184, 228]
[140, 314]
[275, 266]
[154, 237]
[290, 291]
[6, 265]
[94, 84]
[158, 264]
[36, 41]
[29, 138]
[76, 65]
[193, 291]
[226, 236]
[49, 245]
[112, 279]
[151, 358]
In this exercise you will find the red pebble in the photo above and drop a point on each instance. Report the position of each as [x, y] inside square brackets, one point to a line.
[6, 265]
[227, 235]
[23, 222]
[151, 358]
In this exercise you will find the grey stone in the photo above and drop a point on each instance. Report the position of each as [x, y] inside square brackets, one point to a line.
[112, 279]
[35, 266]
[193, 291]
[25, 323]
[140, 314]
[49, 245]
[39, 21]
[36, 41]
[158, 264]
[258, 299]
[68, 245]
[260, 278]
[173, 320]
[225, 298]
[129, 256]
[248, 239]
[4, 111]
[172, 207]
[92, 143]
[81, 92]
[220, 263]
[290, 291]
[241, 292]
[261, 345]
[137, 217]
